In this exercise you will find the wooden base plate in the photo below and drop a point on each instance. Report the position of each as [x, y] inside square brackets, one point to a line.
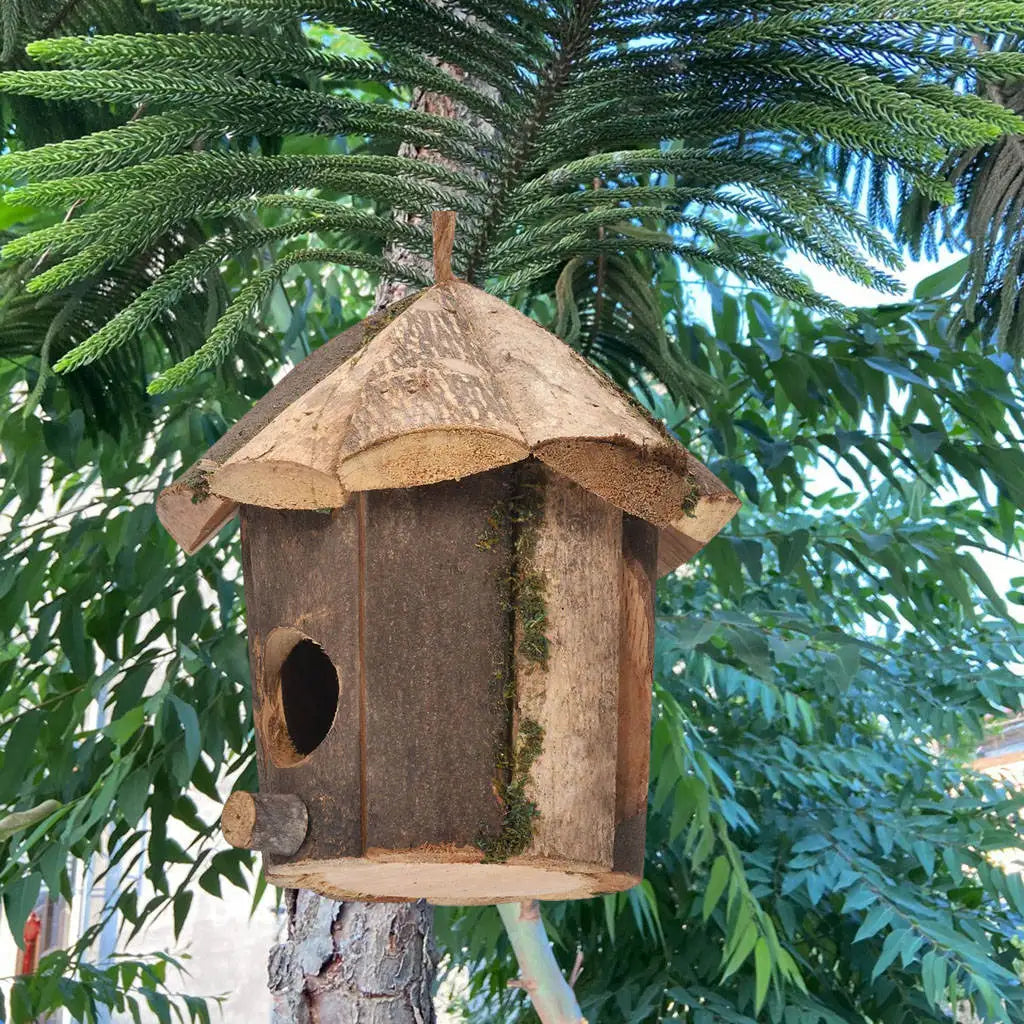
[405, 877]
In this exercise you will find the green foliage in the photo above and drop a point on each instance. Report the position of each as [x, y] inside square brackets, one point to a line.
[988, 215]
[37, 329]
[814, 853]
[811, 855]
[130, 986]
[597, 138]
[98, 685]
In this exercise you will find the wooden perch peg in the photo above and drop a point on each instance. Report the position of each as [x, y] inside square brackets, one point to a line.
[444, 240]
[269, 822]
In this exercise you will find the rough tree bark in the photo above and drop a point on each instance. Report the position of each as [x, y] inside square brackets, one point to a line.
[353, 963]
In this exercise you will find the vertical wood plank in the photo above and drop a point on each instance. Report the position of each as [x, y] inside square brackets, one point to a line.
[575, 697]
[300, 573]
[436, 634]
[636, 667]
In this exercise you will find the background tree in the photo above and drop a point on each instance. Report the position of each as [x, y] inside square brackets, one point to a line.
[815, 672]
[608, 144]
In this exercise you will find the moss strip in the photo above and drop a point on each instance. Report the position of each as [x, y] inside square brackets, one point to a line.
[691, 499]
[519, 516]
[198, 482]
[514, 522]
[519, 811]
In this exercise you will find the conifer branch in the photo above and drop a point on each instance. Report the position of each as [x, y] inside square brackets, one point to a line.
[689, 118]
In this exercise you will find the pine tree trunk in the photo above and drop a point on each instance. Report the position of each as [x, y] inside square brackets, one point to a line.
[361, 963]
[353, 963]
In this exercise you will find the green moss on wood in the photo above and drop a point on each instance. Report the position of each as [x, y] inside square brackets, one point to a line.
[518, 517]
[691, 499]
[518, 810]
[528, 595]
[198, 482]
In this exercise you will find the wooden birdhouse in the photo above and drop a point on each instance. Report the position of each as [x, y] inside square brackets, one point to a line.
[451, 529]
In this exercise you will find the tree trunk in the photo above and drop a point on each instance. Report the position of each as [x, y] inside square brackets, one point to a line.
[361, 963]
[353, 963]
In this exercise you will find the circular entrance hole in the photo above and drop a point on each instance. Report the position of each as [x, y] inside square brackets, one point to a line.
[309, 695]
[306, 685]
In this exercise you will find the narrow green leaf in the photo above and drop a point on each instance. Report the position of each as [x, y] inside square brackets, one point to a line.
[762, 973]
[181, 904]
[19, 897]
[743, 950]
[717, 879]
[875, 920]
[890, 950]
[190, 723]
[942, 281]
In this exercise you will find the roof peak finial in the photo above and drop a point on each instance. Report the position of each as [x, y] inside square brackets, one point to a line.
[444, 239]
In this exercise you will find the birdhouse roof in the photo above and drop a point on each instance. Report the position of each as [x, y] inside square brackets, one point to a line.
[454, 383]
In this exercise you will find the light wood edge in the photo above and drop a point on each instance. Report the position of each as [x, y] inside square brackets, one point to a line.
[403, 461]
[238, 820]
[636, 666]
[582, 882]
[299, 487]
[192, 523]
[684, 539]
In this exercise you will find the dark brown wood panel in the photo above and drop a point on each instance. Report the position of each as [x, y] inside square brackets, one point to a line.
[301, 574]
[636, 664]
[436, 633]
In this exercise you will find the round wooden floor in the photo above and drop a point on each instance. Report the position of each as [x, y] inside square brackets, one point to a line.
[398, 878]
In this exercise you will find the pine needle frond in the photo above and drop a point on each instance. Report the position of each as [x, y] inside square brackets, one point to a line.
[36, 330]
[419, 26]
[607, 310]
[251, 296]
[253, 57]
[237, 106]
[158, 195]
[196, 265]
[593, 136]
[988, 217]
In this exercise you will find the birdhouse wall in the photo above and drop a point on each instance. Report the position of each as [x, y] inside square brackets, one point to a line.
[407, 607]
[461, 619]
[592, 698]
[301, 574]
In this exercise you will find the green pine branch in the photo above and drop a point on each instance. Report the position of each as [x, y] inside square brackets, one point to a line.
[685, 116]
